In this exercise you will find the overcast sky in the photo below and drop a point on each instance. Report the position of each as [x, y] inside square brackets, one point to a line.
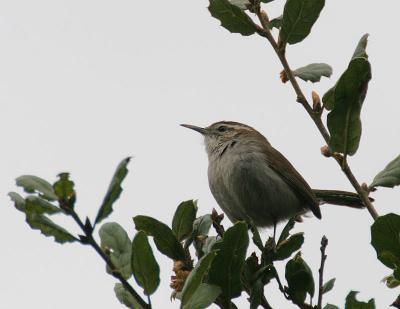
[84, 84]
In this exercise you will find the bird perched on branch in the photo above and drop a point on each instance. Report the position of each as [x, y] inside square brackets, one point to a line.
[253, 181]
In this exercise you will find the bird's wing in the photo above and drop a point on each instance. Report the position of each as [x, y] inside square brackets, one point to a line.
[285, 169]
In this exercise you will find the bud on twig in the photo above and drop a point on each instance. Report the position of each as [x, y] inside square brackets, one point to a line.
[317, 107]
[283, 76]
[326, 152]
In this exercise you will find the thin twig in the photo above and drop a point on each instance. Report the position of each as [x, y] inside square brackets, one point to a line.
[264, 31]
[116, 274]
[324, 243]
[216, 222]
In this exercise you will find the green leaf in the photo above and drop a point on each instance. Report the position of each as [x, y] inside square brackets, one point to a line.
[242, 4]
[195, 279]
[208, 244]
[49, 228]
[184, 217]
[313, 72]
[114, 191]
[34, 184]
[232, 17]
[125, 297]
[385, 238]
[353, 303]
[19, 201]
[256, 236]
[300, 279]
[203, 297]
[360, 50]
[64, 187]
[275, 23]
[288, 246]
[40, 206]
[164, 238]
[298, 18]
[227, 266]
[329, 99]
[202, 225]
[396, 273]
[144, 265]
[391, 281]
[328, 285]
[286, 230]
[389, 177]
[344, 122]
[115, 240]
[330, 306]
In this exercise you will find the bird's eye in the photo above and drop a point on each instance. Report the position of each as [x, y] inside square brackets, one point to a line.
[221, 129]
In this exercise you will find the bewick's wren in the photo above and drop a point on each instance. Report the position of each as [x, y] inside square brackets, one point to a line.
[252, 180]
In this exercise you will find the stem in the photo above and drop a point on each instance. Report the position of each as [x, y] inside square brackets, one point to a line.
[324, 243]
[116, 274]
[264, 31]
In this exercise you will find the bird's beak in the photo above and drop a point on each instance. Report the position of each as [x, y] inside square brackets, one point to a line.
[198, 129]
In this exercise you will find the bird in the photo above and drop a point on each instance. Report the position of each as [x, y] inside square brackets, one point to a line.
[253, 182]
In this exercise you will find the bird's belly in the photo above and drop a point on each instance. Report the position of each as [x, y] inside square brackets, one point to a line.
[246, 188]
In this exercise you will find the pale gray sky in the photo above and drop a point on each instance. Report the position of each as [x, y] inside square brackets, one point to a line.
[84, 84]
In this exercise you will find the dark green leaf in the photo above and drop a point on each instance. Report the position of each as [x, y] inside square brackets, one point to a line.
[360, 50]
[328, 285]
[40, 206]
[144, 265]
[275, 23]
[329, 99]
[313, 72]
[256, 237]
[125, 297]
[353, 303]
[389, 177]
[330, 306]
[203, 297]
[288, 246]
[256, 294]
[286, 230]
[299, 278]
[298, 18]
[64, 187]
[48, 227]
[19, 201]
[227, 266]
[114, 191]
[344, 122]
[164, 238]
[115, 240]
[232, 17]
[182, 223]
[195, 279]
[385, 238]
[396, 273]
[34, 184]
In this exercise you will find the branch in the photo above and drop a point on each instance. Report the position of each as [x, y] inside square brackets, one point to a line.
[88, 239]
[324, 243]
[264, 31]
